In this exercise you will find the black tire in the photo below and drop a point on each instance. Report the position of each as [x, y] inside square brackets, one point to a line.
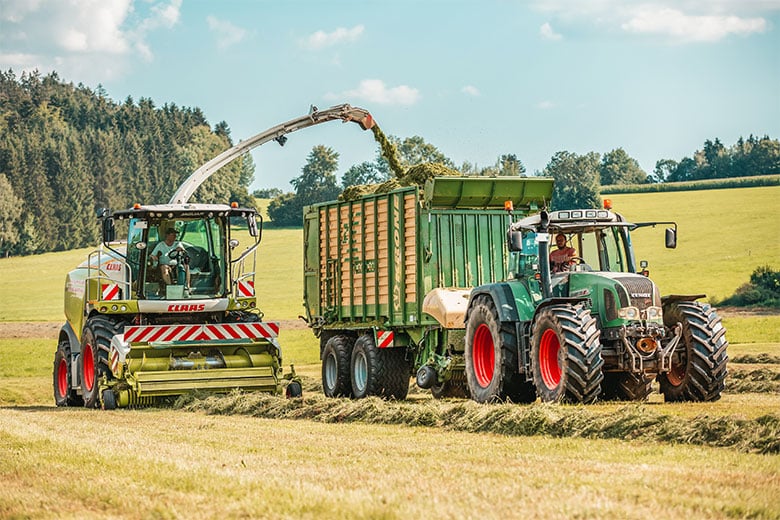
[336, 356]
[566, 354]
[626, 386]
[109, 399]
[699, 362]
[93, 364]
[64, 392]
[455, 386]
[380, 372]
[293, 390]
[491, 356]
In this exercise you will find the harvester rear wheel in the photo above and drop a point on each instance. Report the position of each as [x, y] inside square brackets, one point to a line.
[626, 386]
[491, 357]
[336, 357]
[64, 393]
[566, 354]
[380, 372]
[699, 364]
[95, 343]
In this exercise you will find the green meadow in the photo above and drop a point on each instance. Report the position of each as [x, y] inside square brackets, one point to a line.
[256, 456]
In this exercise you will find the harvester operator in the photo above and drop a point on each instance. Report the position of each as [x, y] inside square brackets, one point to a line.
[162, 255]
[560, 259]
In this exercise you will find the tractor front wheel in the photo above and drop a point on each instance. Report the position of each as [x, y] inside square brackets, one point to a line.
[699, 362]
[566, 354]
[626, 386]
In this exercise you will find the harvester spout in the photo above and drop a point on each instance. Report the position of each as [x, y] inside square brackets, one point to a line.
[345, 113]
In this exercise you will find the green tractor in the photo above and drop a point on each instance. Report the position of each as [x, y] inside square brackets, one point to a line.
[172, 308]
[580, 321]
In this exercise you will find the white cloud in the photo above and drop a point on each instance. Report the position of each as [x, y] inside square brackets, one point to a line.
[471, 90]
[375, 91]
[227, 34]
[321, 39]
[91, 40]
[680, 21]
[545, 105]
[684, 27]
[548, 33]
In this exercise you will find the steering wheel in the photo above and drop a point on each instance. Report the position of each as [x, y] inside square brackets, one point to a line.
[580, 261]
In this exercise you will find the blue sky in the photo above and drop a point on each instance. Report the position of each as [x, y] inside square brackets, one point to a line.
[475, 78]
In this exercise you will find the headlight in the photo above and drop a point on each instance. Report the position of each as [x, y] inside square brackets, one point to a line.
[628, 313]
[654, 313]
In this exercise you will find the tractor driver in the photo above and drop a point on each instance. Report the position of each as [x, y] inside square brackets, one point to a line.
[161, 254]
[560, 259]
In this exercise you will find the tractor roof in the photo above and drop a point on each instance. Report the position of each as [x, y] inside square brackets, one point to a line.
[574, 219]
[182, 210]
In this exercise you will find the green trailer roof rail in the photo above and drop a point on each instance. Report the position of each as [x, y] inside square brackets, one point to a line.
[488, 192]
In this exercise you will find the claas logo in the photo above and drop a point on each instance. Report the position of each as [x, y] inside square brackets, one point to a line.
[195, 307]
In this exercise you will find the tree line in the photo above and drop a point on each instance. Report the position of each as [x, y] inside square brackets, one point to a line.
[66, 150]
[578, 178]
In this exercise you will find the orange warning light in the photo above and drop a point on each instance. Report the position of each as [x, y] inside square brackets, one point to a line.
[607, 203]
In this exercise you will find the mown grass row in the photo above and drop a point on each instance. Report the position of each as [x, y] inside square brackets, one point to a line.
[707, 184]
[629, 422]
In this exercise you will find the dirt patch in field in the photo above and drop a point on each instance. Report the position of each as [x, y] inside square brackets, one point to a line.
[50, 329]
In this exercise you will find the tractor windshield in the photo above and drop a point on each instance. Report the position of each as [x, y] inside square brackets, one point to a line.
[178, 257]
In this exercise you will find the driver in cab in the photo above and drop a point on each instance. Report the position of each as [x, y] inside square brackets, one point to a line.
[561, 258]
[162, 255]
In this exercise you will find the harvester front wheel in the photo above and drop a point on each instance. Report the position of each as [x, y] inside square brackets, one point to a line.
[336, 357]
[64, 393]
[491, 357]
[699, 363]
[95, 343]
[566, 354]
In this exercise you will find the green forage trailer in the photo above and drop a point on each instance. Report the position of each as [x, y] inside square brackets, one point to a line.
[388, 276]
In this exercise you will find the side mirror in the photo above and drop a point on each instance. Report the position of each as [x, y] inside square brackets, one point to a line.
[109, 232]
[251, 223]
[671, 238]
[233, 243]
[515, 241]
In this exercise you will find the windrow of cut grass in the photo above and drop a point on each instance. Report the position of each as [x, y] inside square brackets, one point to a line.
[629, 422]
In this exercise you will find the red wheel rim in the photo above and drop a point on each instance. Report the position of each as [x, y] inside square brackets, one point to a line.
[62, 378]
[484, 355]
[676, 374]
[549, 366]
[89, 368]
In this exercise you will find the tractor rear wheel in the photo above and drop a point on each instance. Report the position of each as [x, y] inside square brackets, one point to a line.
[95, 344]
[64, 393]
[626, 386]
[380, 372]
[491, 357]
[699, 362]
[335, 366]
[566, 354]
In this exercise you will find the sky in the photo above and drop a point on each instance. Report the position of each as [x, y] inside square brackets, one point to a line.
[477, 79]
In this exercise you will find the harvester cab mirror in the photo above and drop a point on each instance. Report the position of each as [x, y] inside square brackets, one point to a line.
[671, 238]
[109, 231]
[515, 241]
[251, 222]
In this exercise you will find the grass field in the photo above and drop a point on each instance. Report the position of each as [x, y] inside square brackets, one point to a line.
[191, 463]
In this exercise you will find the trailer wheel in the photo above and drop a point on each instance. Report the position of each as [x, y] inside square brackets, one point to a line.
[566, 354]
[491, 355]
[699, 362]
[626, 386]
[380, 372]
[95, 343]
[64, 393]
[336, 357]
